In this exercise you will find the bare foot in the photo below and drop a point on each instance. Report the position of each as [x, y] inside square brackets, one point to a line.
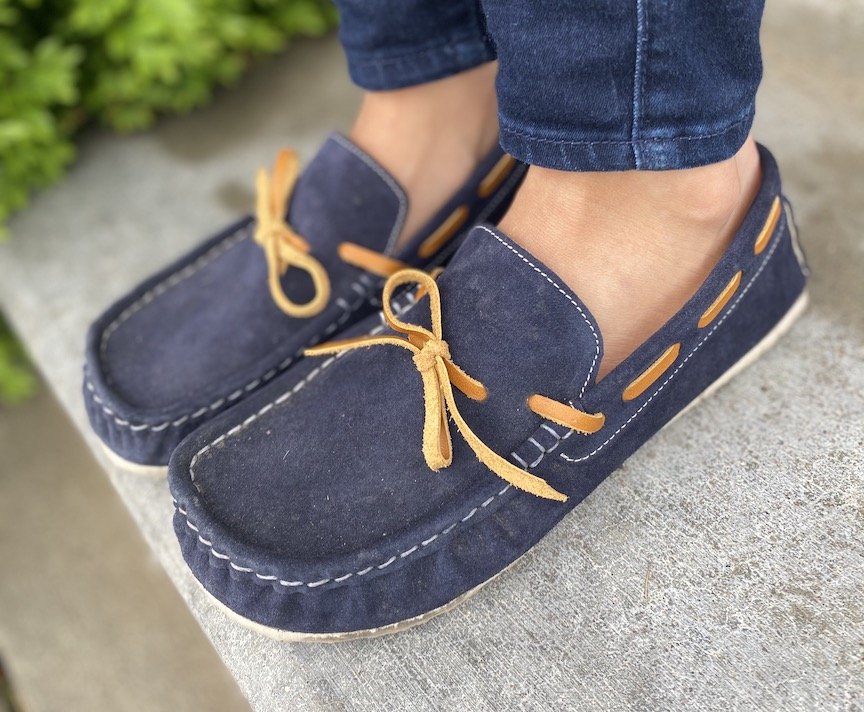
[430, 137]
[634, 245]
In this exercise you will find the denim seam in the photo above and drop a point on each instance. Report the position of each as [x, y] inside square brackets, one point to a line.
[646, 141]
[391, 183]
[699, 345]
[563, 294]
[426, 49]
[638, 74]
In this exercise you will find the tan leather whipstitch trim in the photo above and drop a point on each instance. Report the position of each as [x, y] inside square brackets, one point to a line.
[283, 247]
[736, 302]
[369, 260]
[768, 228]
[496, 176]
[568, 416]
[444, 232]
[652, 373]
[439, 375]
[711, 313]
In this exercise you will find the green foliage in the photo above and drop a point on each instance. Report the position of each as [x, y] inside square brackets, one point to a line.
[37, 81]
[17, 380]
[64, 63]
[121, 62]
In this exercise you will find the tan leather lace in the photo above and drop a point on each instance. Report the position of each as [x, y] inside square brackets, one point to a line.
[433, 360]
[284, 248]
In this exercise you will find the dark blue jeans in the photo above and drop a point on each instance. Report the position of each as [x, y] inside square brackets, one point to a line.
[583, 85]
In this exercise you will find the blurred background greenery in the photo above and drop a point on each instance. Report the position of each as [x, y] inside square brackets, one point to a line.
[119, 63]
[17, 380]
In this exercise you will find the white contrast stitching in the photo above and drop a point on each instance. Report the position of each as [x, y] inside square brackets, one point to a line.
[563, 294]
[278, 401]
[215, 252]
[348, 309]
[173, 280]
[551, 430]
[707, 336]
[386, 563]
[545, 451]
[542, 450]
[398, 308]
[252, 418]
[388, 179]
[409, 297]
[335, 579]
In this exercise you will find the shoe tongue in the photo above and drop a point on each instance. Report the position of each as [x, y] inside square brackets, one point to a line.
[512, 324]
[343, 194]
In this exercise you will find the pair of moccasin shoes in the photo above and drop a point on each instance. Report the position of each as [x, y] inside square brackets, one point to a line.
[324, 497]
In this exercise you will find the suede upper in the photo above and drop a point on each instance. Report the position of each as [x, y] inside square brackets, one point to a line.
[204, 333]
[362, 415]
[232, 291]
[310, 507]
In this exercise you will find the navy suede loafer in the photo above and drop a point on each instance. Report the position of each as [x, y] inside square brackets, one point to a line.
[336, 502]
[236, 312]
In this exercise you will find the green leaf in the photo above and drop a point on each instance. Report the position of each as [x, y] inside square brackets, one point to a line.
[64, 63]
[17, 378]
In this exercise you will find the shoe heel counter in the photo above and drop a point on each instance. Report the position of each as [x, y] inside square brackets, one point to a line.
[784, 274]
[791, 226]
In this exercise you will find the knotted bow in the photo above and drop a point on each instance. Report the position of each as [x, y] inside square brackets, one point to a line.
[431, 356]
[283, 247]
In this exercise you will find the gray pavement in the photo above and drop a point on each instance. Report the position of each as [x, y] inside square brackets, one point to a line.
[721, 568]
[88, 619]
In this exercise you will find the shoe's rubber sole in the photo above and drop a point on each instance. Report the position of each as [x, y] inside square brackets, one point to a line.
[134, 467]
[289, 636]
[750, 357]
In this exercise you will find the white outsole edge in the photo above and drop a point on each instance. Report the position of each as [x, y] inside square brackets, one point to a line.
[289, 636]
[133, 467]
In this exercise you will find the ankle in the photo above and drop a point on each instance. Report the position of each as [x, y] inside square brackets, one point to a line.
[430, 137]
[461, 109]
[634, 246]
[713, 199]
[707, 200]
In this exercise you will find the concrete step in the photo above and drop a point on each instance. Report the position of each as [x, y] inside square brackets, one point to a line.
[721, 568]
[89, 619]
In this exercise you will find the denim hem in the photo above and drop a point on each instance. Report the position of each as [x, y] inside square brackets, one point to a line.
[649, 154]
[437, 61]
